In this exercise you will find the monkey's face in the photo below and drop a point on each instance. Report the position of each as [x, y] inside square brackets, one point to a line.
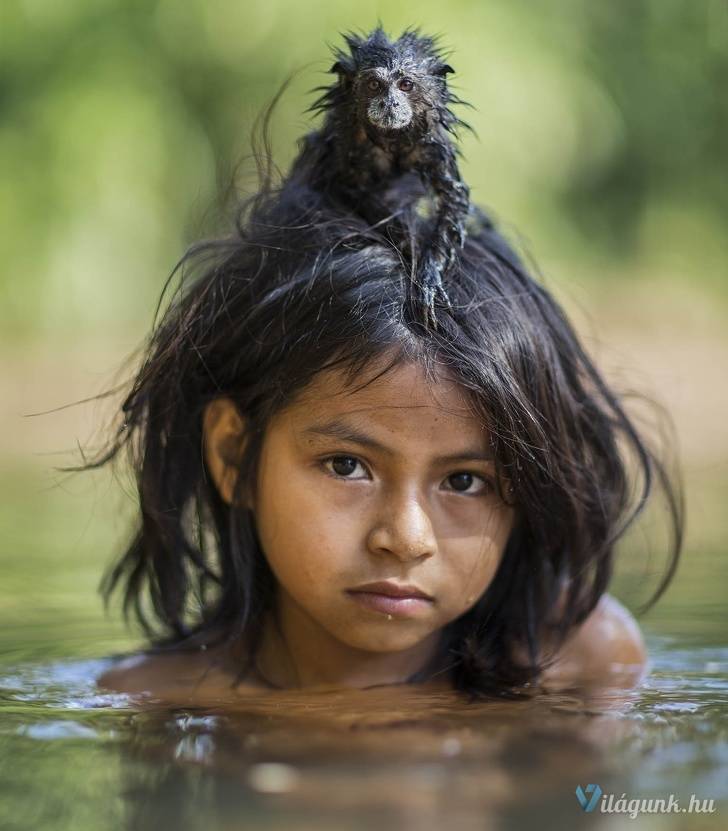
[387, 99]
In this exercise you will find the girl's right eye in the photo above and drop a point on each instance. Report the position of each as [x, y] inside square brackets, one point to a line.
[342, 466]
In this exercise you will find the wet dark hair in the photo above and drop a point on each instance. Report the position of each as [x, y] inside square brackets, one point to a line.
[303, 285]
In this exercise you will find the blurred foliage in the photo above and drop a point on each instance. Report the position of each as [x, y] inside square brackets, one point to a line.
[59, 532]
[601, 133]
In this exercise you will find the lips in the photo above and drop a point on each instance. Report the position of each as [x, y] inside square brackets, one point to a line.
[392, 590]
[392, 599]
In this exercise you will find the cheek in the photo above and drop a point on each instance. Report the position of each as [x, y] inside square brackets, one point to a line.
[472, 563]
[305, 538]
[471, 575]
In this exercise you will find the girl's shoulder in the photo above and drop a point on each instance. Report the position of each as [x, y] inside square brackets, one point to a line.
[607, 649]
[186, 677]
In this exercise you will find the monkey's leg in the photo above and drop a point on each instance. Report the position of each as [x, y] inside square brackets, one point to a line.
[453, 195]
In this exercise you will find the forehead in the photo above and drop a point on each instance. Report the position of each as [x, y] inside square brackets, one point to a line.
[393, 60]
[402, 400]
[399, 66]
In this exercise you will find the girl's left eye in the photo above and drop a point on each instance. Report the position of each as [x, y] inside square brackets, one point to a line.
[463, 481]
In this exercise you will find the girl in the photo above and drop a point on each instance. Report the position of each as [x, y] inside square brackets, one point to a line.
[331, 493]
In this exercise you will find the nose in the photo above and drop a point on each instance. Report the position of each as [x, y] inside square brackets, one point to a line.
[403, 529]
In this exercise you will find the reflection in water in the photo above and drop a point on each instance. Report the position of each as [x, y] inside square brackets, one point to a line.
[388, 757]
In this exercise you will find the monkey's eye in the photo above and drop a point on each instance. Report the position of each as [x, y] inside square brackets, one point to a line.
[373, 85]
[406, 85]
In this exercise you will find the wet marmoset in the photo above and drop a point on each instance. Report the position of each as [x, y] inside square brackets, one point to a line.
[388, 114]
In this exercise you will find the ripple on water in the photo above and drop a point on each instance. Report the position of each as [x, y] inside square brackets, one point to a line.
[391, 751]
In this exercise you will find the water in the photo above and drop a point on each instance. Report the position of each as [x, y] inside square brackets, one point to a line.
[74, 758]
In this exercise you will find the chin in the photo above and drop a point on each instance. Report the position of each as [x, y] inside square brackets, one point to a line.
[382, 638]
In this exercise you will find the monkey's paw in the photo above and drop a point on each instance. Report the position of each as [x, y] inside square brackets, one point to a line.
[430, 276]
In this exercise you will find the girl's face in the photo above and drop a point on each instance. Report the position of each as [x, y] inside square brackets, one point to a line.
[392, 483]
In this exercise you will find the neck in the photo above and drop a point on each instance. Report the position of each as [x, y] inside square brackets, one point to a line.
[295, 652]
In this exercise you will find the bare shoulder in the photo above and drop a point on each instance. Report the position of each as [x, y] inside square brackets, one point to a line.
[186, 677]
[606, 649]
[145, 673]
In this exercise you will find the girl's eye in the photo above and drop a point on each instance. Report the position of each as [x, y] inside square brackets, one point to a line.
[342, 466]
[470, 484]
[373, 85]
[406, 85]
[463, 482]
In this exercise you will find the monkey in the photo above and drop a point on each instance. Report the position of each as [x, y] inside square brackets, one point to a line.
[388, 115]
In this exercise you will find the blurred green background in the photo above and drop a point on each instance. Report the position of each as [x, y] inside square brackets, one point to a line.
[601, 149]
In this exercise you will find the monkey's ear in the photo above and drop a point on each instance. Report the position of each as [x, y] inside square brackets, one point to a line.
[344, 73]
[344, 69]
[444, 69]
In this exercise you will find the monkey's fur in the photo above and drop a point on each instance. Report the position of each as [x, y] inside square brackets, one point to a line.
[388, 115]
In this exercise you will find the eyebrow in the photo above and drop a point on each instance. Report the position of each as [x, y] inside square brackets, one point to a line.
[338, 429]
